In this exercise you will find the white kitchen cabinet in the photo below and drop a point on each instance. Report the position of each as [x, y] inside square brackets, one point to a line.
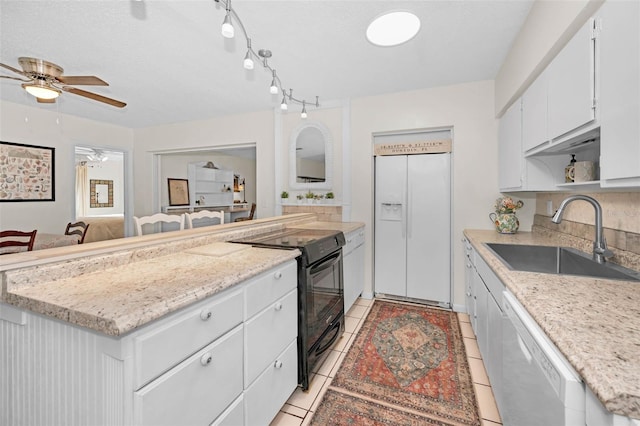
[534, 113]
[353, 267]
[571, 84]
[470, 293]
[187, 367]
[510, 156]
[190, 393]
[619, 101]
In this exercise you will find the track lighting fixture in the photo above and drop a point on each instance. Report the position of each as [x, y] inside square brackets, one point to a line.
[227, 27]
[265, 54]
[248, 61]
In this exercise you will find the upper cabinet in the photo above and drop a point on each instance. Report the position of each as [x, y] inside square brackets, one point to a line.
[510, 148]
[620, 93]
[571, 84]
[586, 102]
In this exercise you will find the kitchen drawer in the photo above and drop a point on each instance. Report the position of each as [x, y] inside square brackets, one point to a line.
[270, 286]
[272, 389]
[173, 341]
[197, 390]
[268, 333]
[232, 416]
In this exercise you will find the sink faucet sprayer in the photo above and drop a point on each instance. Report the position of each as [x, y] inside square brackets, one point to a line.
[600, 251]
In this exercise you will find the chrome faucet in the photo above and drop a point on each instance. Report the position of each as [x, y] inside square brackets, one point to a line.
[600, 251]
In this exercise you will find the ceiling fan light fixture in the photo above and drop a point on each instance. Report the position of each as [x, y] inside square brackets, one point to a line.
[41, 89]
[393, 28]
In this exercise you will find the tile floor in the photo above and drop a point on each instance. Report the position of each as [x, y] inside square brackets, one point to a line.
[298, 410]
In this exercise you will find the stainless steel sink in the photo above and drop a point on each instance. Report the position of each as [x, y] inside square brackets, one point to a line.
[558, 260]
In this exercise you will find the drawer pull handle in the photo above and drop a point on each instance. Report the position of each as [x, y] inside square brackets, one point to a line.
[205, 315]
[277, 364]
[278, 306]
[206, 359]
[277, 275]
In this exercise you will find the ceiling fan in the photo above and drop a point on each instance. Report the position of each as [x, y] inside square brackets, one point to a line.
[45, 81]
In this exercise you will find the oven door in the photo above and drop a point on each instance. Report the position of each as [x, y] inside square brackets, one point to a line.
[324, 295]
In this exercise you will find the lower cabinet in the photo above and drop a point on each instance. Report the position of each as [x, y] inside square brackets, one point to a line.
[353, 270]
[230, 359]
[190, 393]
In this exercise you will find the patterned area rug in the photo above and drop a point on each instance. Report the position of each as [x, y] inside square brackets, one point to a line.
[407, 363]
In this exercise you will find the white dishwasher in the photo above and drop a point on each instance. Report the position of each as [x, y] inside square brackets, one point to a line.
[539, 385]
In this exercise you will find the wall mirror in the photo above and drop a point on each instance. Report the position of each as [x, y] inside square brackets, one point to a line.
[101, 193]
[310, 157]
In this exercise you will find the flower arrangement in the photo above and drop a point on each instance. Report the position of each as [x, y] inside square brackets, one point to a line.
[507, 205]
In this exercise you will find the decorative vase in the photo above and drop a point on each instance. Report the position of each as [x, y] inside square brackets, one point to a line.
[506, 223]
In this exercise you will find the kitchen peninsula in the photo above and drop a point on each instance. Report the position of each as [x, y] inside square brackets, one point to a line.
[144, 330]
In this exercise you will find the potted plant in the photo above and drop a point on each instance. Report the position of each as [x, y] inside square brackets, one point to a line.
[309, 196]
[505, 218]
[284, 196]
[300, 197]
[329, 197]
[318, 198]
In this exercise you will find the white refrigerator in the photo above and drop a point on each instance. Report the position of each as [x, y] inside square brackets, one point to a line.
[413, 227]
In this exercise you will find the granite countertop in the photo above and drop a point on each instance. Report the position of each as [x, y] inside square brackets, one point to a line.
[595, 323]
[345, 227]
[117, 300]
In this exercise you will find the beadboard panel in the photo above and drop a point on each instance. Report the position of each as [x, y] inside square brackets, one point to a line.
[56, 374]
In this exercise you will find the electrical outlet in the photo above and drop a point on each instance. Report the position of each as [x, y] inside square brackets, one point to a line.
[549, 207]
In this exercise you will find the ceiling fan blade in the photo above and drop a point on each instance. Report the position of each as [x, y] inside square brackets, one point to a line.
[10, 68]
[15, 78]
[94, 96]
[82, 80]
[46, 101]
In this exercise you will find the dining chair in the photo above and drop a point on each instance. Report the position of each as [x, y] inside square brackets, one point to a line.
[16, 241]
[158, 218]
[77, 228]
[203, 214]
[251, 213]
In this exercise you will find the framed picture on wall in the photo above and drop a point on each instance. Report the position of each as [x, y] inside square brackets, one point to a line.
[101, 193]
[27, 172]
[178, 192]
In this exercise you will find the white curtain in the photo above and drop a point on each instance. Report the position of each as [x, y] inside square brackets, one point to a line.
[82, 190]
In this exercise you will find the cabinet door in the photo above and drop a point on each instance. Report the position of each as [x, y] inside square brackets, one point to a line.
[534, 113]
[619, 79]
[510, 155]
[493, 360]
[272, 388]
[571, 84]
[482, 320]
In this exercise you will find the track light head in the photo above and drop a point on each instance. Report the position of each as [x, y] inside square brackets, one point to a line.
[227, 27]
[283, 104]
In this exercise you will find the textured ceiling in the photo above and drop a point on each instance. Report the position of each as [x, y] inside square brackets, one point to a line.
[169, 63]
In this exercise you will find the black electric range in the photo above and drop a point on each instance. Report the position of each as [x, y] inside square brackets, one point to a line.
[320, 290]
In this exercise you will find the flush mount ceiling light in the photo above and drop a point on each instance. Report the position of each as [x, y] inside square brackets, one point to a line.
[393, 28]
[228, 31]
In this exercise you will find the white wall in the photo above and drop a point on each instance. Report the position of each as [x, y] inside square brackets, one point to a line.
[469, 108]
[253, 128]
[548, 27]
[43, 126]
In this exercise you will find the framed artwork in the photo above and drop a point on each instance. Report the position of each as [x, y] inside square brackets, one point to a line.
[101, 193]
[27, 172]
[178, 192]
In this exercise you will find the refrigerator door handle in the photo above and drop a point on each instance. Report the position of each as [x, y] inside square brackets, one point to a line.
[404, 213]
[409, 206]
